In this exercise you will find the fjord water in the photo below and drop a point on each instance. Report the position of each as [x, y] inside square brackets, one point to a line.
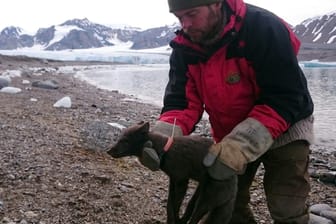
[322, 86]
[147, 83]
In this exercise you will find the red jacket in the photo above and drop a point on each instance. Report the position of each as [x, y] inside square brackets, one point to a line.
[251, 72]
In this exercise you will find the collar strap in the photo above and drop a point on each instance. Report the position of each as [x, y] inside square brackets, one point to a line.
[168, 144]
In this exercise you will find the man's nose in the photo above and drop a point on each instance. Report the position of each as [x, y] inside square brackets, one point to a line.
[186, 23]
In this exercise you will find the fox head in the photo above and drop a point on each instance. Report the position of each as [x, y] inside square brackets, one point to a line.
[131, 141]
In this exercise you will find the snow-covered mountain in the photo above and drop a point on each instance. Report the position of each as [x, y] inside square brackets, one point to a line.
[13, 38]
[83, 34]
[317, 32]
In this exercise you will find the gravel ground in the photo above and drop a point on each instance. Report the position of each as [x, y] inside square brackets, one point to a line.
[50, 174]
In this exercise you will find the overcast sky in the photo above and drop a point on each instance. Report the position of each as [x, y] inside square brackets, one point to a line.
[33, 14]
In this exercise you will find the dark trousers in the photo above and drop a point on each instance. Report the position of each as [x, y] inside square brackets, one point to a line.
[286, 185]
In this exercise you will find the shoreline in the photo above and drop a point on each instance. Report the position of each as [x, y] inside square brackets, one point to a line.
[49, 174]
[306, 53]
[322, 139]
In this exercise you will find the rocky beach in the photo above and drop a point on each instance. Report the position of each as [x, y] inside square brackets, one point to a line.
[54, 168]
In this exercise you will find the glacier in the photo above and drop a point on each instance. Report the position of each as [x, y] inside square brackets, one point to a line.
[120, 55]
[104, 54]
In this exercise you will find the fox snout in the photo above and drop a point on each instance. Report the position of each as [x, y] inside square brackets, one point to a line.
[131, 141]
[116, 151]
[124, 148]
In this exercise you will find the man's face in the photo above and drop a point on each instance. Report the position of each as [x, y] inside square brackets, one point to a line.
[200, 23]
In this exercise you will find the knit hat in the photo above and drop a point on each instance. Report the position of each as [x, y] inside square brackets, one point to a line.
[176, 5]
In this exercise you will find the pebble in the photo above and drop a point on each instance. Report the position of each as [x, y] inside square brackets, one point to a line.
[63, 102]
[333, 166]
[323, 171]
[25, 81]
[322, 214]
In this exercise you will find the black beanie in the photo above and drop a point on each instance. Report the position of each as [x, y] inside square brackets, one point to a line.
[176, 5]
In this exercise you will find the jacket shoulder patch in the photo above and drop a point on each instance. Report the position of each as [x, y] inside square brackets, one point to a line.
[233, 78]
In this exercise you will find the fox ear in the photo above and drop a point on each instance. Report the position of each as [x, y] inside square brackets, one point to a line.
[144, 126]
[140, 123]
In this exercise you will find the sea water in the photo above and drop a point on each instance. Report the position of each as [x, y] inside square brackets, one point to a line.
[147, 83]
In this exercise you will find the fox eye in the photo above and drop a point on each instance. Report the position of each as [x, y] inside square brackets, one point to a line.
[123, 140]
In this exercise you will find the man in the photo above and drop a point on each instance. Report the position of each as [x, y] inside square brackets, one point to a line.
[238, 63]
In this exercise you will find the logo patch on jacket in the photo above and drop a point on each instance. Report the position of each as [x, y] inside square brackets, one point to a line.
[233, 78]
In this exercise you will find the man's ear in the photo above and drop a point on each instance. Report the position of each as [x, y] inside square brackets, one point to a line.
[218, 5]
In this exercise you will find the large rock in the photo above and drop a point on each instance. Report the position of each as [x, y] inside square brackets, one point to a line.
[9, 89]
[47, 84]
[315, 219]
[322, 214]
[99, 135]
[4, 81]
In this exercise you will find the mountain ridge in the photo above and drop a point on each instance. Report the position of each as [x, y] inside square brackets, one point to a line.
[317, 34]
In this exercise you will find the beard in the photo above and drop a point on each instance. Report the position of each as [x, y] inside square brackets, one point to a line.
[211, 31]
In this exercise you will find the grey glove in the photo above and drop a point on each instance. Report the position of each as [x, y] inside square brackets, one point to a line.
[216, 169]
[246, 142]
[149, 157]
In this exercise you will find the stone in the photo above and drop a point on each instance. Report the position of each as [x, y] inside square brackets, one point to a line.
[4, 82]
[329, 214]
[47, 84]
[315, 219]
[9, 89]
[99, 135]
[64, 102]
[318, 208]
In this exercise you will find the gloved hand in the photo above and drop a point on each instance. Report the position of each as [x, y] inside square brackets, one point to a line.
[244, 144]
[149, 157]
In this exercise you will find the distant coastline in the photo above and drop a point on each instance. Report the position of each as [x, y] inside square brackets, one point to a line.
[161, 56]
[320, 54]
